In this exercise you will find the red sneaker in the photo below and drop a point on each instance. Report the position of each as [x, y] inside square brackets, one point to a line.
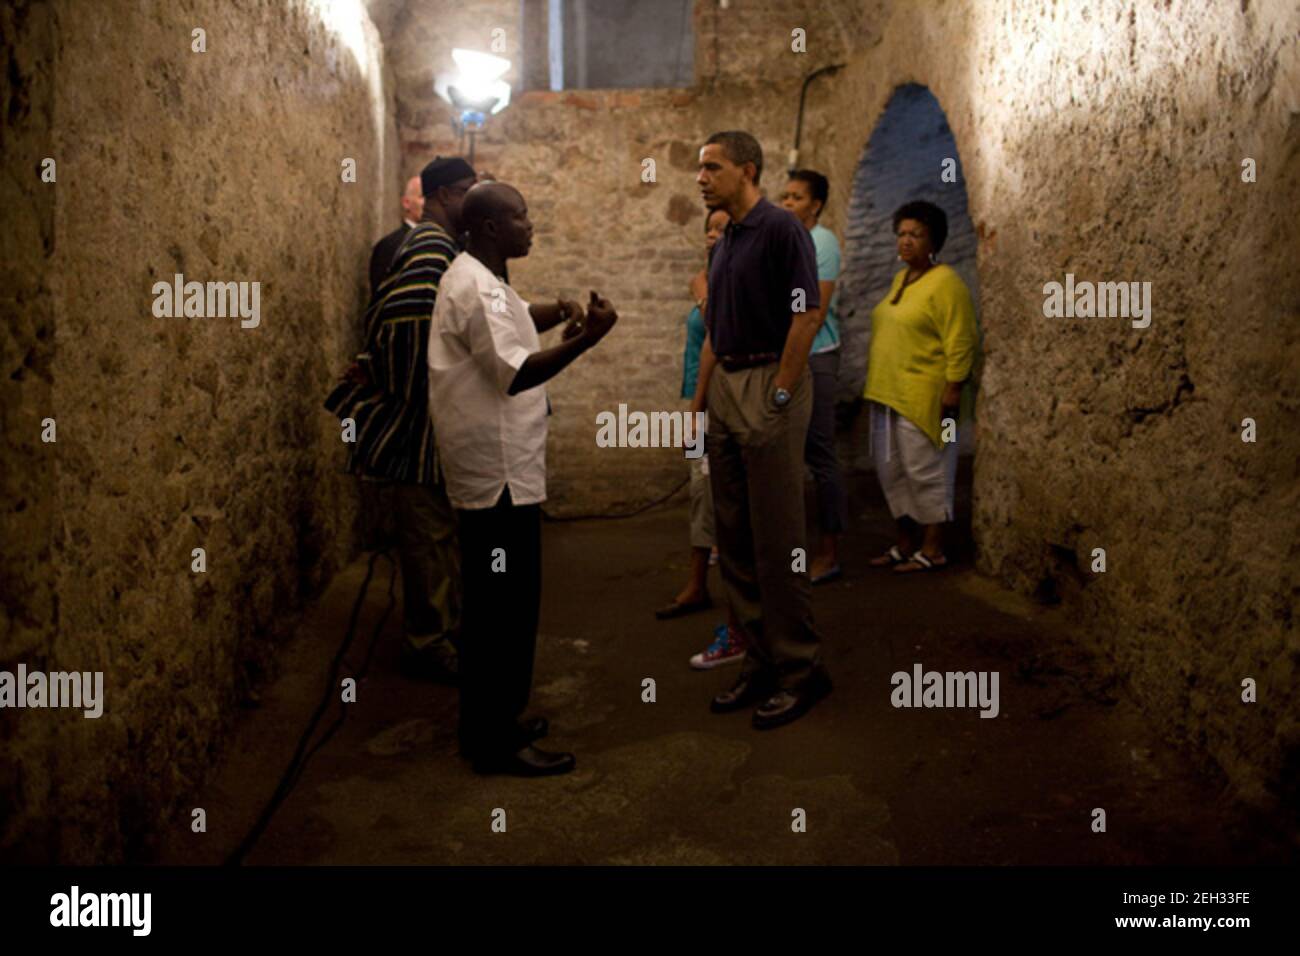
[728, 647]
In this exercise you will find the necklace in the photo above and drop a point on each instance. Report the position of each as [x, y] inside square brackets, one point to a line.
[908, 280]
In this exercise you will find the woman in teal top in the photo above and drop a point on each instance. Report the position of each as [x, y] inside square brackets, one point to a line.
[805, 196]
[695, 595]
[695, 332]
[727, 644]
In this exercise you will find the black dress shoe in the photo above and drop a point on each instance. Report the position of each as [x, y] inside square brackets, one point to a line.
[787, 705]
[528, 762]
[748, 690]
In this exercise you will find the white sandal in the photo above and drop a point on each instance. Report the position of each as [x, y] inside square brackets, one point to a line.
[893, 554]
[926, 563]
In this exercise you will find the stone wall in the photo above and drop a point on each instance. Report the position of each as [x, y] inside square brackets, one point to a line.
[173, 433]
[29, 513]
[1106, 139]
[1103, 139]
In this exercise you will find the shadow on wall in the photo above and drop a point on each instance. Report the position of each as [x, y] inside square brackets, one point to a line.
[905, 159]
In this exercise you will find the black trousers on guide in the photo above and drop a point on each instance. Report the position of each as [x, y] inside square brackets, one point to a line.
[499, 612]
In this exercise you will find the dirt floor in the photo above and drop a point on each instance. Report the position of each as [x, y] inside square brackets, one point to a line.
[669, 782]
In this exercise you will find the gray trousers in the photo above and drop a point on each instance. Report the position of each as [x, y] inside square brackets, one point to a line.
[819, 452]
[701, 504]
[756, 467]
[430, 560]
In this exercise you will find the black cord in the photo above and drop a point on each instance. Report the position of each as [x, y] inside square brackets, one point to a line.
[358, 674]
[626, 514]
[293, 772]
[392, 603]
[717, 62]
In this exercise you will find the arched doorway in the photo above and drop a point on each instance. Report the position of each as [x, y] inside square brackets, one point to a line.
[904, 159]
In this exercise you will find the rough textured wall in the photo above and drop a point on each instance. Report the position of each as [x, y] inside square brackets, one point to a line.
[182, 433]
[1135, 435]
[29, 509]
[1103, 139]
[1106, 140]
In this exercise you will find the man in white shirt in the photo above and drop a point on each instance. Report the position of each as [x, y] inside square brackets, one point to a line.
[489, 416]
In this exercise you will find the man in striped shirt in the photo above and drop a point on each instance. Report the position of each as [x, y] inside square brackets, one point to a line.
[394, 434]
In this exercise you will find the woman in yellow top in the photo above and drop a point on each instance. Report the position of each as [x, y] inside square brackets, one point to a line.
[922, 348]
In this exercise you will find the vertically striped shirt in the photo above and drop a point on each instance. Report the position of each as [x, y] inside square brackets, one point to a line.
[394, 436]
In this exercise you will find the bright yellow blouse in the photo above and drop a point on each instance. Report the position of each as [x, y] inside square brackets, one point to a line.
[920, 345]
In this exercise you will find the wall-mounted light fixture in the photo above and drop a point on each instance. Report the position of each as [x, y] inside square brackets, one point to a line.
[475, 91]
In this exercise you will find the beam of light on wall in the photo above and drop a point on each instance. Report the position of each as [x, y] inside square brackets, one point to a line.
[347, 20]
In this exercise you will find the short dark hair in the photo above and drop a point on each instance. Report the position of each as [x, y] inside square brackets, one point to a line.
[708, 214]
[927, 214]
[741, 148]
[486, 202]
[818, 185]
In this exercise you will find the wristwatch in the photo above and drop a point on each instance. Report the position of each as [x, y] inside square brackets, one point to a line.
[781, 397]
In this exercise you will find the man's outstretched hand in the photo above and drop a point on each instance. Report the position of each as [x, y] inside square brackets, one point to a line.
[544, 365]
[574, 319]
[600, 319]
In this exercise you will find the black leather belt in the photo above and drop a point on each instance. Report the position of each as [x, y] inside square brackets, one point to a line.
[734, 363]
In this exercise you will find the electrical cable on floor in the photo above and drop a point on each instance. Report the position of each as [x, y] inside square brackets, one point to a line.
[293, 772]
[392, 603]
[359, 674]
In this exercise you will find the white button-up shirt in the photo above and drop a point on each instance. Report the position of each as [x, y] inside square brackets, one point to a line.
[487, 439]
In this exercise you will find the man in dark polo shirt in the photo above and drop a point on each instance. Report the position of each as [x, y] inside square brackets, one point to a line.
[755, 384]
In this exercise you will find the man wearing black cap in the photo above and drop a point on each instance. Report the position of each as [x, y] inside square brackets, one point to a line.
[394, 442]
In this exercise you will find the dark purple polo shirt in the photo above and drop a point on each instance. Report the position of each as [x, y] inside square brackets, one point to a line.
[757, 264]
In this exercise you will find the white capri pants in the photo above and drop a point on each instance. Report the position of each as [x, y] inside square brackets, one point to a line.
[918, 479]
[701, 504]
